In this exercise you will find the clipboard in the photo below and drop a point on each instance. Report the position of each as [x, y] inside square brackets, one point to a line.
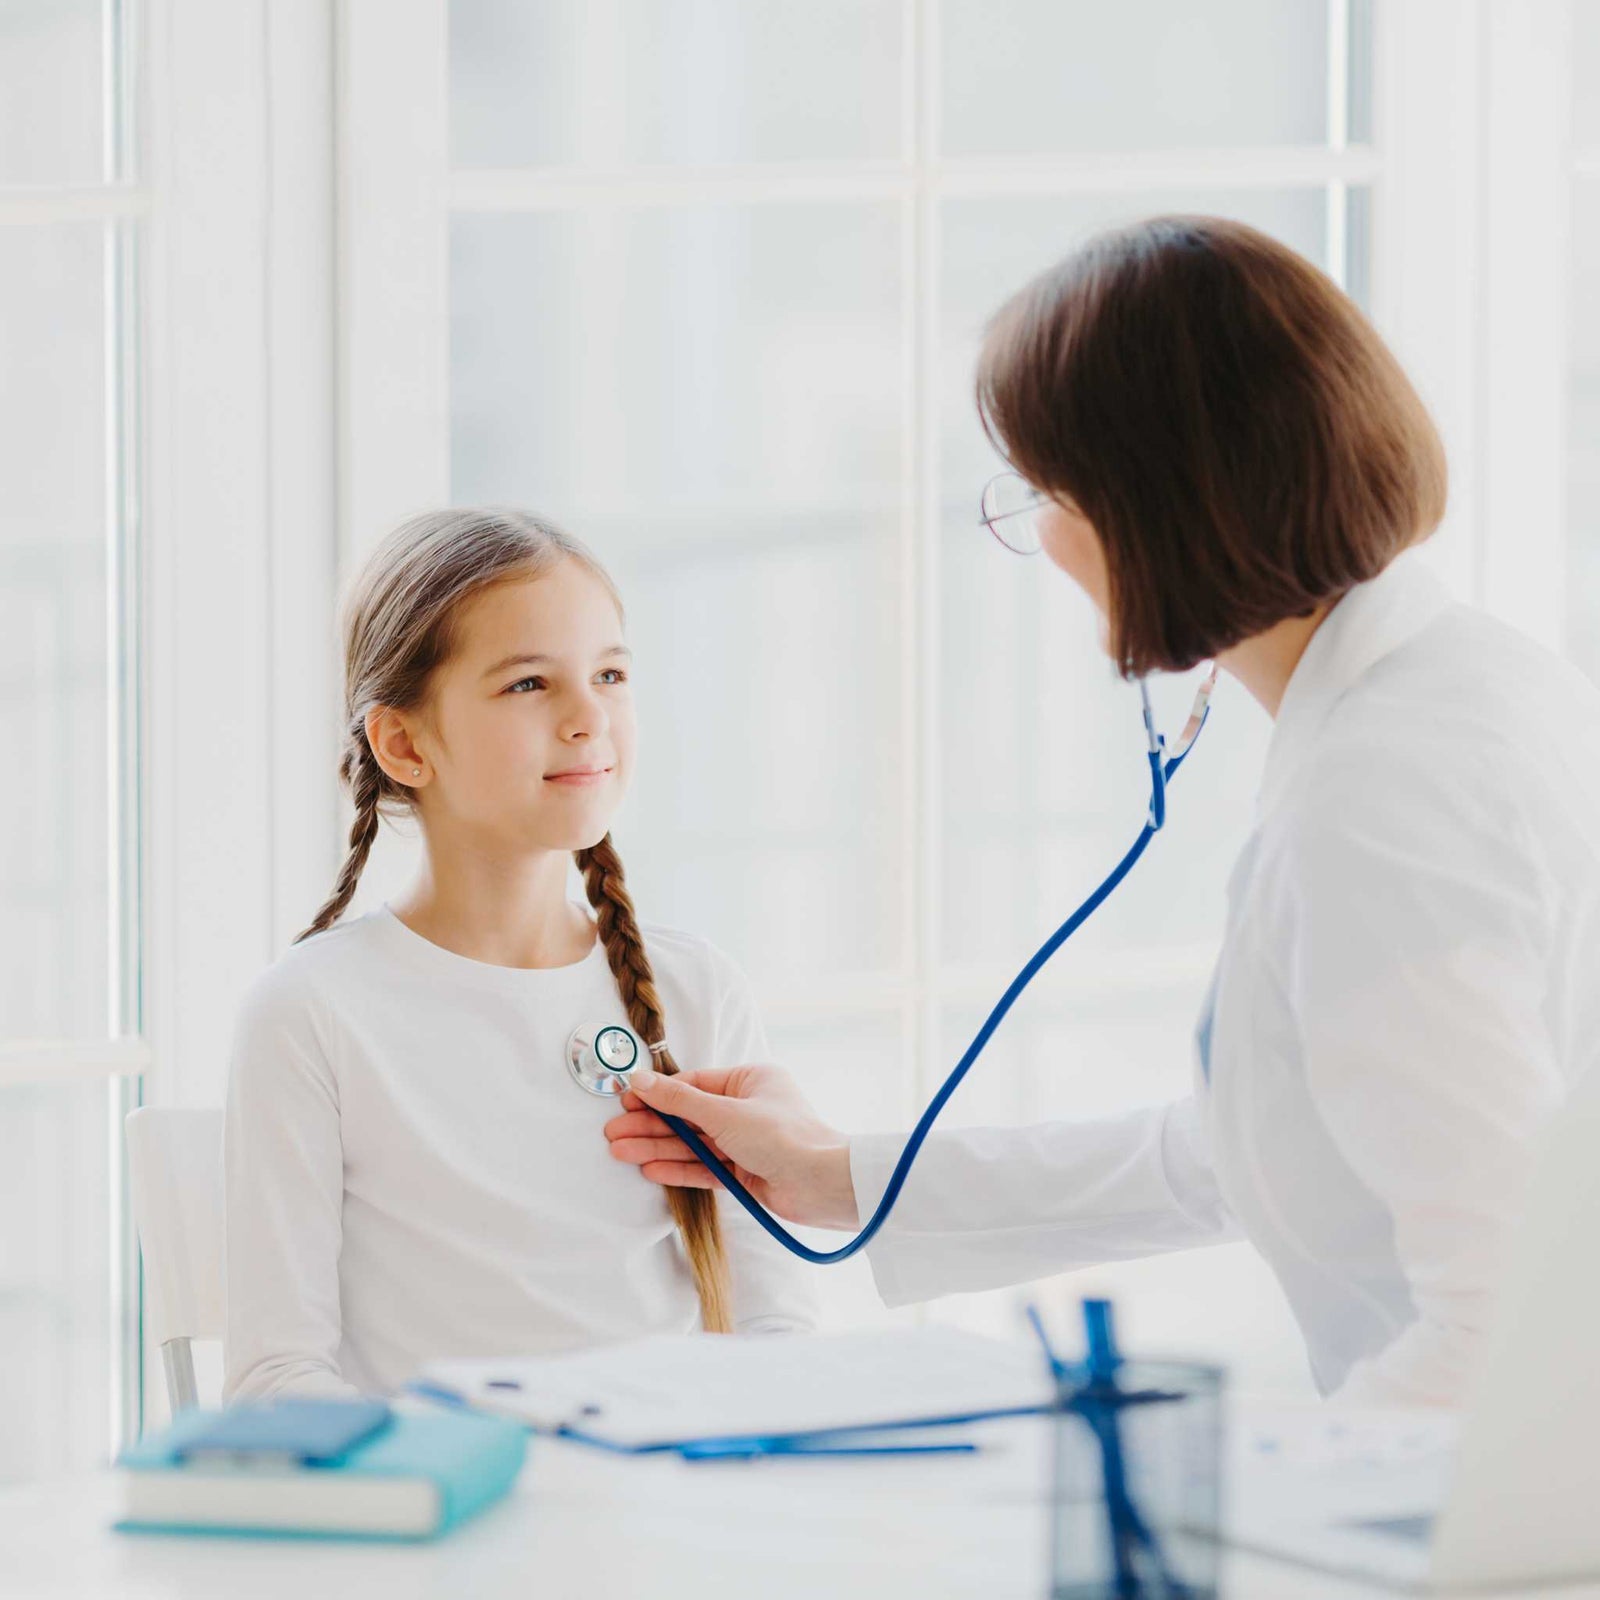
[708, 1395]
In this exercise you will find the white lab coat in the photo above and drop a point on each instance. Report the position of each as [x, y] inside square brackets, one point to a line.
[1409, 983]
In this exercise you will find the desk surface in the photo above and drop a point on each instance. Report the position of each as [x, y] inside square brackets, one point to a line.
[581, 1522]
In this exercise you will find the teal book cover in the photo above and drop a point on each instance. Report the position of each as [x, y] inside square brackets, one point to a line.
[467, 1459]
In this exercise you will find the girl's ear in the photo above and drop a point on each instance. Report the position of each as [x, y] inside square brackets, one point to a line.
[394, 746]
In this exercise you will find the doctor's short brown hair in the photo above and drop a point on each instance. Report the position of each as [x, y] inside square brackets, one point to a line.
[1243, 442]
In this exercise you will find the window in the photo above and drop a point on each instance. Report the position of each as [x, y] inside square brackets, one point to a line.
[1583, 548]
[69, 974]
[703, 281]
[715, 277]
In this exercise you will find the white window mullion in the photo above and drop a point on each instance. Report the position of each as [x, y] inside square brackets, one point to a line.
[301, 474]
[1425, 238]
[1338, 138]
[55, 1061]
[1523, 352]
[924, 731]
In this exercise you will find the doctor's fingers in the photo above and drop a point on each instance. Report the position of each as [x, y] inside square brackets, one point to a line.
[642, 1148]
[636, 1122]
[636, 1148]
[680, 1175]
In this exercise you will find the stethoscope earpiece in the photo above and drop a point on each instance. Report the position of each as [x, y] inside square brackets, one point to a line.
[603, 1059]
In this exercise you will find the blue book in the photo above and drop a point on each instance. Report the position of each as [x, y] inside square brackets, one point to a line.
[420, 1476]
[291, 1432]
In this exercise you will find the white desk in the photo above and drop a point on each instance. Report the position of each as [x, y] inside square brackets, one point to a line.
[584, 1523]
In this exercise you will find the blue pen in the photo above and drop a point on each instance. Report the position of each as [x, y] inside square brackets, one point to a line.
[749, 1449]
[1059, 1369]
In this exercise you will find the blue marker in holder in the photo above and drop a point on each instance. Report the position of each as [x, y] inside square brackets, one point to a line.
[1135, 1472]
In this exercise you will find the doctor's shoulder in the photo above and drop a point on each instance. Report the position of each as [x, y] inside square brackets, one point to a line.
[1430, 770]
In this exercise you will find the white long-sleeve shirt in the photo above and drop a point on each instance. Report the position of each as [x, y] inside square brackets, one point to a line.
[411, 1171]
[1409, 984]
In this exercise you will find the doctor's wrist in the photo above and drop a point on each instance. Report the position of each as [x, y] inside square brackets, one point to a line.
[833, 1193]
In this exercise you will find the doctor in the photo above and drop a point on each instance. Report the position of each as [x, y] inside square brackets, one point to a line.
[1231, 464]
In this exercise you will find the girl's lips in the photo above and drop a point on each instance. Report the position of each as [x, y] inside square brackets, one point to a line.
[578, 780]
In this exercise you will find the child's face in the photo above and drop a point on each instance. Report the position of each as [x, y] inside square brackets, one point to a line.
[509, 733]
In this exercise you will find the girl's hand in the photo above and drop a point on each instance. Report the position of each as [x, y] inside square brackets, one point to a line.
[761, 1126]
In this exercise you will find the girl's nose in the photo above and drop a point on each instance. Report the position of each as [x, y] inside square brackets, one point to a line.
[584, 717]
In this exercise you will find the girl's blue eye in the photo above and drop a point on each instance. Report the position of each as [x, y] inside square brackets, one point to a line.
[615, 674]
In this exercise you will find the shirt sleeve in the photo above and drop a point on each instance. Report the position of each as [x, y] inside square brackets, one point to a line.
[1414, 963]
[773, 1291]
[283, 1169]
[987, 1207]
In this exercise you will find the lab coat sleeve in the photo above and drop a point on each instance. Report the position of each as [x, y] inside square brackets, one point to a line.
[987, 1207]
[773, 1291]
[283, 1171]
[1415, 939]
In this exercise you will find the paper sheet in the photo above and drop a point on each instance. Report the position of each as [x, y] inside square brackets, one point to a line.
[655, 1392]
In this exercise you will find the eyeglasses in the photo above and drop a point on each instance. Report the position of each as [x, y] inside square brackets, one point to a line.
[1010, 511]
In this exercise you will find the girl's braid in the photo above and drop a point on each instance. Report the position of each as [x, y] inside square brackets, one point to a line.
[363, 777]
[694, 1210]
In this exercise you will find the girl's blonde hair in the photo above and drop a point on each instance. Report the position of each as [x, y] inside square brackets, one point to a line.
[400, 622]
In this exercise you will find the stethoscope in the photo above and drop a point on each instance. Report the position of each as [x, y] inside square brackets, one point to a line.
[603, 1059]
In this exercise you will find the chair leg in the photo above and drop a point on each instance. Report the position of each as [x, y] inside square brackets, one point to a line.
[178, 1360]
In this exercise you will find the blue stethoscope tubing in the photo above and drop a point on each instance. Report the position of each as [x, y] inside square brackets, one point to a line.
[1162, 769]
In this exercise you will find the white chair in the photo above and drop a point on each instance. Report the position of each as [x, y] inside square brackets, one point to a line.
[175, 1188]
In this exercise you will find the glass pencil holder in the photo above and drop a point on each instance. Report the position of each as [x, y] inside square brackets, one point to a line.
[1135, 1483]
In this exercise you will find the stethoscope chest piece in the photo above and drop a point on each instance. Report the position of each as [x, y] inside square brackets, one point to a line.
[603, 1059]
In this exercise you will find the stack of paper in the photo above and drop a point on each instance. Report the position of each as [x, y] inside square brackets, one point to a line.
[653, 1394]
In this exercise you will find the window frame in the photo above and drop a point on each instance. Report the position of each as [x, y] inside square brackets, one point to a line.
[290, 370]
[1444, 290]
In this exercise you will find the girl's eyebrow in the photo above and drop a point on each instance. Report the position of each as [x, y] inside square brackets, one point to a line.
[535, 659]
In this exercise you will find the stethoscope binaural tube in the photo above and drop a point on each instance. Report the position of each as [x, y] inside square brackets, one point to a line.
[1162, 767]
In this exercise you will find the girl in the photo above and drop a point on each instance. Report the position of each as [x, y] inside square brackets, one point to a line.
[410, 1170]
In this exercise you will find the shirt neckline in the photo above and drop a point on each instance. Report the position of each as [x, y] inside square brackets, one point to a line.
[424, 955]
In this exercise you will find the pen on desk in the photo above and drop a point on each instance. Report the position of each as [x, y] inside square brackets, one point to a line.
[1058, 1368]
[437, 1393]
[747, 1450]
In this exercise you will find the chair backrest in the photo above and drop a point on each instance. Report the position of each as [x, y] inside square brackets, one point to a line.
[175, 1188]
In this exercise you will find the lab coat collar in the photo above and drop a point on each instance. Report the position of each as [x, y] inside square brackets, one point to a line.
[1365, 625]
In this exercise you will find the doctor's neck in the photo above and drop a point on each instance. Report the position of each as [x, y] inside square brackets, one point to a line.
[1265, 662]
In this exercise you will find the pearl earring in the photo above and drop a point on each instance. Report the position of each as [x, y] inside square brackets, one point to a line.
[416, 772]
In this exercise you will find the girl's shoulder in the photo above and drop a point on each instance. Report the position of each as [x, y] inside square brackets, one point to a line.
[306, 973]
[691, 958]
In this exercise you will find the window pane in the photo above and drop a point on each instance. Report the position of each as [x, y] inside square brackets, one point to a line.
[1045, 783]
[711, 398]
[55, 907]
[608, 83]
[1049, 76]
[1586, 76]
[51, 118]
[1583, 587]
[55, 1321]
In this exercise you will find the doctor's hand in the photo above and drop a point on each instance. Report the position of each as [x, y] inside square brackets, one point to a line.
[758, 1122]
